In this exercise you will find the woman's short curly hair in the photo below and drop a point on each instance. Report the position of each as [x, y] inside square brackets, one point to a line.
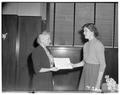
[92, 28]
[41, 37]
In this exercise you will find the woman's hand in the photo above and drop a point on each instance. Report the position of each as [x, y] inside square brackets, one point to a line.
[97, 85]
[48, 69]
[80, 64]
[72, 64]
[100, 75]
[54, 69]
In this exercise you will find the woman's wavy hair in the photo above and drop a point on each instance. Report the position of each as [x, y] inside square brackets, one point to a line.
[92, 28]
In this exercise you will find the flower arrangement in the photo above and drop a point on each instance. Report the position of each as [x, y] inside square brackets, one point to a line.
[110, 85]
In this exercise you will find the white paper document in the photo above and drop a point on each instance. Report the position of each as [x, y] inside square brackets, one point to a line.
[62, 63]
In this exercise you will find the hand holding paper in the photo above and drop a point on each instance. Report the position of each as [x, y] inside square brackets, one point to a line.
[54, 69]
[80, 64]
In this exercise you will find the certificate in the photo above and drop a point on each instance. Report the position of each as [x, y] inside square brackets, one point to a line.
[62, 63]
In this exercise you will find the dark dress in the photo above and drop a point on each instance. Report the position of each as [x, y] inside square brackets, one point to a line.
[41, 81]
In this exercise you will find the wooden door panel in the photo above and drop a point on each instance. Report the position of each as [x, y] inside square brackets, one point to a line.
[29, 28]
[9, 25]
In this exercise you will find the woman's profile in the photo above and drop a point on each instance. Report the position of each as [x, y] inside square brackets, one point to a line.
[93, 60]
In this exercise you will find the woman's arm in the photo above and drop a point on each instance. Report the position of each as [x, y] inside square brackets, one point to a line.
[80, 64]
[48, 69]
[101, 59]
[100, 75]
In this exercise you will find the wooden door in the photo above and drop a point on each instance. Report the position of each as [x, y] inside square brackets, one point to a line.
[29, 28]
[9, 26]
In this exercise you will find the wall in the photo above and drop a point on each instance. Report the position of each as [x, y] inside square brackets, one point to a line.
[67, 19]
[25, 9]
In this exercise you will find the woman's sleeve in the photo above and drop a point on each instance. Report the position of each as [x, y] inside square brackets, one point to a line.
[36, 62]
[101, 56]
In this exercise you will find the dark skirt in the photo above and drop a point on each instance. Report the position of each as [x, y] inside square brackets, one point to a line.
[43, 82]
[89, 77]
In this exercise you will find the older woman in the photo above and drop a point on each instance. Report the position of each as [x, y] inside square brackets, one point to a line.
[93, 61]
[43, 64]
